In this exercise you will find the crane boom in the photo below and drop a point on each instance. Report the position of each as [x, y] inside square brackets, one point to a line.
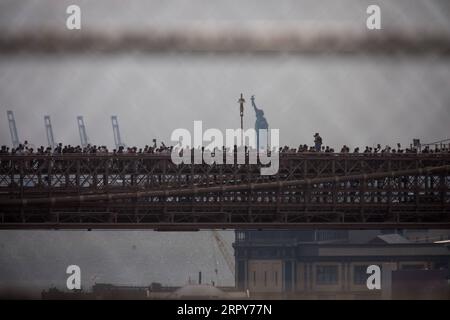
[224, 251]
[49, 131]
[115, 125]
[13, 129]
[82, 130]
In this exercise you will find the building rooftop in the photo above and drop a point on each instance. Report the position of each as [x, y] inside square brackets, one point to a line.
[393, 238]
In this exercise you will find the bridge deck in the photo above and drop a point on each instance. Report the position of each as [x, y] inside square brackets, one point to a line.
[140, 191]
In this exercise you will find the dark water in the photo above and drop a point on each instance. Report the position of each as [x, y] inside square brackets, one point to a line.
[37, 260]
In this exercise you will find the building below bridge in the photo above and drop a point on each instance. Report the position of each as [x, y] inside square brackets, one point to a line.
[333, 265]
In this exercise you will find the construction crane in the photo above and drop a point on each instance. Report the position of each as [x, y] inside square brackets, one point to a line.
[13, 129]
[116, 132]
[221, 244]
[49, 132]
[82, 130]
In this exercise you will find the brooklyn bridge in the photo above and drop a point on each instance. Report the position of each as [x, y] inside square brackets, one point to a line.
[148, 191]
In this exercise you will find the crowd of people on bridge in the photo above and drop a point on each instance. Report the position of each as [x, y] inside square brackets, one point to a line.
[26, 148]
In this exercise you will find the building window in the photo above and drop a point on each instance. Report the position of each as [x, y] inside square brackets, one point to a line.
[254, 278]
[360, 274]
[326, 275]
[276, 279]
[413, 267]
[240, 236]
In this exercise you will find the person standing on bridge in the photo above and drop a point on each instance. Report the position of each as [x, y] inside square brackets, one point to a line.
[317, 142]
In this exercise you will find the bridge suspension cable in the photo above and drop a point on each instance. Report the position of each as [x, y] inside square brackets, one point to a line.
[222, 188]
[435, 142]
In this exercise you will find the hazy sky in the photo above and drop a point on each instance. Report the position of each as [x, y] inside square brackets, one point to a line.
[356, 100]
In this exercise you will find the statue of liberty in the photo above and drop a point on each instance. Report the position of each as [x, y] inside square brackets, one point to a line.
[261, 127]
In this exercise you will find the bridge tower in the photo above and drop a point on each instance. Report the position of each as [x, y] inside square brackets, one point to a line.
[13, 129]
[49, 132]
[82, 130]
[117, 139]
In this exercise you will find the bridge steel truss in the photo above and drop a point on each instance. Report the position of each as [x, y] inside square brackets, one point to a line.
[142, 191]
